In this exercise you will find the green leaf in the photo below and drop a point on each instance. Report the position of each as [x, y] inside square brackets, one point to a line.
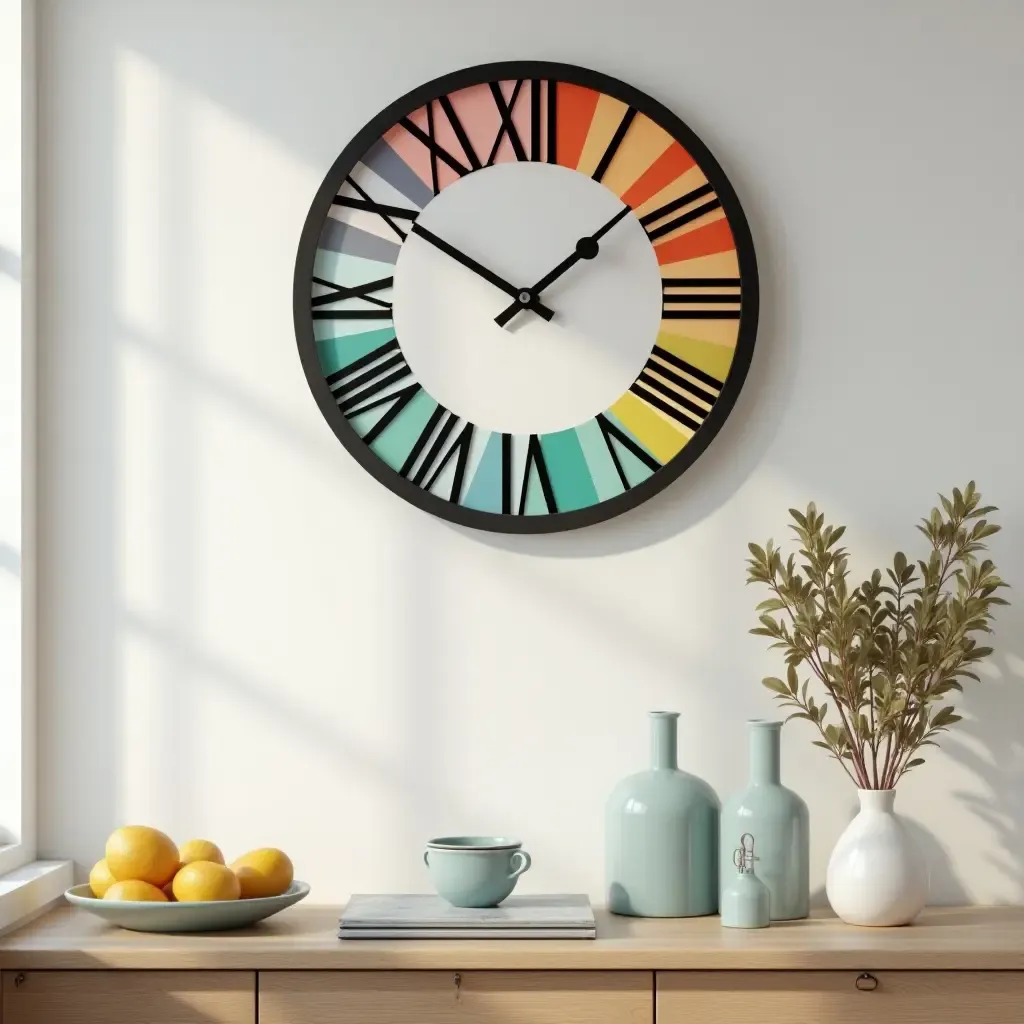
[915, 762]
[775, 685]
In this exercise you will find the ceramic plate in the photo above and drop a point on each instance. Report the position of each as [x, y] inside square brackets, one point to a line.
[185, 917]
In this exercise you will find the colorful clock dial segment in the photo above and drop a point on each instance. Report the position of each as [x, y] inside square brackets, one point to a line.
[525, 112]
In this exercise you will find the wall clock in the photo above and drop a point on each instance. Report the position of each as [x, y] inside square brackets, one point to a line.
[526, 297]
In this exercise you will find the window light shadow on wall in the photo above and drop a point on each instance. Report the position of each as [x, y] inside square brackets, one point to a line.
[198, 430]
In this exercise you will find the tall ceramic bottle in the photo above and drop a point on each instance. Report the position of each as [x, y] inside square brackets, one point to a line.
[662, 836]
[777, 819]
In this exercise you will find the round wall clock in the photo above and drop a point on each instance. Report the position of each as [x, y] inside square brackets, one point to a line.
[526, 297]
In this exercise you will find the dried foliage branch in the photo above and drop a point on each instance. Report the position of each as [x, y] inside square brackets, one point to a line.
[889, 652]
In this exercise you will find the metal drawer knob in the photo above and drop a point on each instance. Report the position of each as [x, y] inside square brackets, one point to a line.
[866, 982]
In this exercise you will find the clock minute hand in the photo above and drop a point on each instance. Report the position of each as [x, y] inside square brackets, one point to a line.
[479, 269]
[586, 249]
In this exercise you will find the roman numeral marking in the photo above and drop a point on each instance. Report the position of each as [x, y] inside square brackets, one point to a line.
[351, 389]
[352, 314]
[609, 432]
[648, 220]
[460, 132]
[507, 126]
[535, 119]
[339, 293]
[675, 304]
[401, 399]
[461, 446]
[433, 153]
[613, 146]
[434, 464]
[421, 441]
[666, 384]
[506, 474]
[665, 407]
[535, 460]
[388, 213]
[381, 209]
[552, 121]
[437, 151]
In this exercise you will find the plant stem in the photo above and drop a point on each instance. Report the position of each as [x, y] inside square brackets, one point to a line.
[819, 670]
[873, 742]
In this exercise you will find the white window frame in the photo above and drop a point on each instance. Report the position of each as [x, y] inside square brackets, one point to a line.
[26, 884]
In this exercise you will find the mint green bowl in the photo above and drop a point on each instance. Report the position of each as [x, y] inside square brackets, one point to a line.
[207, 916]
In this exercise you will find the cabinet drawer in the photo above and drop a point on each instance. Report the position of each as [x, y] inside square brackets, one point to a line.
[129, 997]
[442, 997]
[810, 997]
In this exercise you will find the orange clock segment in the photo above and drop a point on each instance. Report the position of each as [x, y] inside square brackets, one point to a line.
[517, 123]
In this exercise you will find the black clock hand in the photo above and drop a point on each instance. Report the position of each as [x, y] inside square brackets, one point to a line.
[478, 268]
[586, 249]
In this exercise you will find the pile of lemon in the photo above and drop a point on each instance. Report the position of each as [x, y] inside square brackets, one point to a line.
[143, 863]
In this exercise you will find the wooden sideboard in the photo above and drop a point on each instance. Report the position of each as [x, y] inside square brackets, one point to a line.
[955, 965]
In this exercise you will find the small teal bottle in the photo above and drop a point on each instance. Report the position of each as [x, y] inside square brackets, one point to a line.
[662, 836]
[746, 902]
[779, 820]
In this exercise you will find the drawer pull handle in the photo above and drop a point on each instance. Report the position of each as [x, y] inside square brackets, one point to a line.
[19, 980]
[866, 982]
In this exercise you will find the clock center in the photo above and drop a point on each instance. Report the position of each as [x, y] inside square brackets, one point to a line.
[520, 221]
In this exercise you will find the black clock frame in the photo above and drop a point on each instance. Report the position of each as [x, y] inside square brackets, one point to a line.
[503, 522]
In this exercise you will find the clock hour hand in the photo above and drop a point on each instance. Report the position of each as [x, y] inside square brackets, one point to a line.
[478, 268]
[586, 249]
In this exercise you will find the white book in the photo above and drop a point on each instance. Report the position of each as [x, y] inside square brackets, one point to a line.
[421, 916]
[467, 933]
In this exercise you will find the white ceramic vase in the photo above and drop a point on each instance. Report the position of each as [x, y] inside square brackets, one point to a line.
[877, 875]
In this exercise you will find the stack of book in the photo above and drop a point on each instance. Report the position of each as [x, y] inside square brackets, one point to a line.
[430, 917]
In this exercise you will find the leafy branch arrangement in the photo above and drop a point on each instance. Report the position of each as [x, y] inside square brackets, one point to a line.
[888, 652]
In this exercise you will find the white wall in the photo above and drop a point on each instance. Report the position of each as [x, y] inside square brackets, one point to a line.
[245, 637]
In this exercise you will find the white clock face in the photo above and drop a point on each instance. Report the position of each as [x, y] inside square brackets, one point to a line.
[525, 297]
[532, 375]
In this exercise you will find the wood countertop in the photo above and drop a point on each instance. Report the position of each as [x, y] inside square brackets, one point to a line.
[954, 938]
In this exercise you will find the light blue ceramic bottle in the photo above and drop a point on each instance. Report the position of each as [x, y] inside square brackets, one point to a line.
[662, 836]
[778, 819]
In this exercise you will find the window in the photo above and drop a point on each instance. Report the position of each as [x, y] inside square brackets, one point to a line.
[17, 726]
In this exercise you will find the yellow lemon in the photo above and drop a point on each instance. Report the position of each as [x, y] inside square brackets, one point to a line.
[100, 879]
[199, 849]
[266, 872]
[133, 889]
[204, 880]
[141, 853]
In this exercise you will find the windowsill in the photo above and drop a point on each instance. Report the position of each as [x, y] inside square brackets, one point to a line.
[32, 888]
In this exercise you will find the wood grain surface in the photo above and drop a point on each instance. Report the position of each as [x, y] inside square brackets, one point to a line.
[446, 997]
[129, 997]
[811, 997]
[303, 938]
